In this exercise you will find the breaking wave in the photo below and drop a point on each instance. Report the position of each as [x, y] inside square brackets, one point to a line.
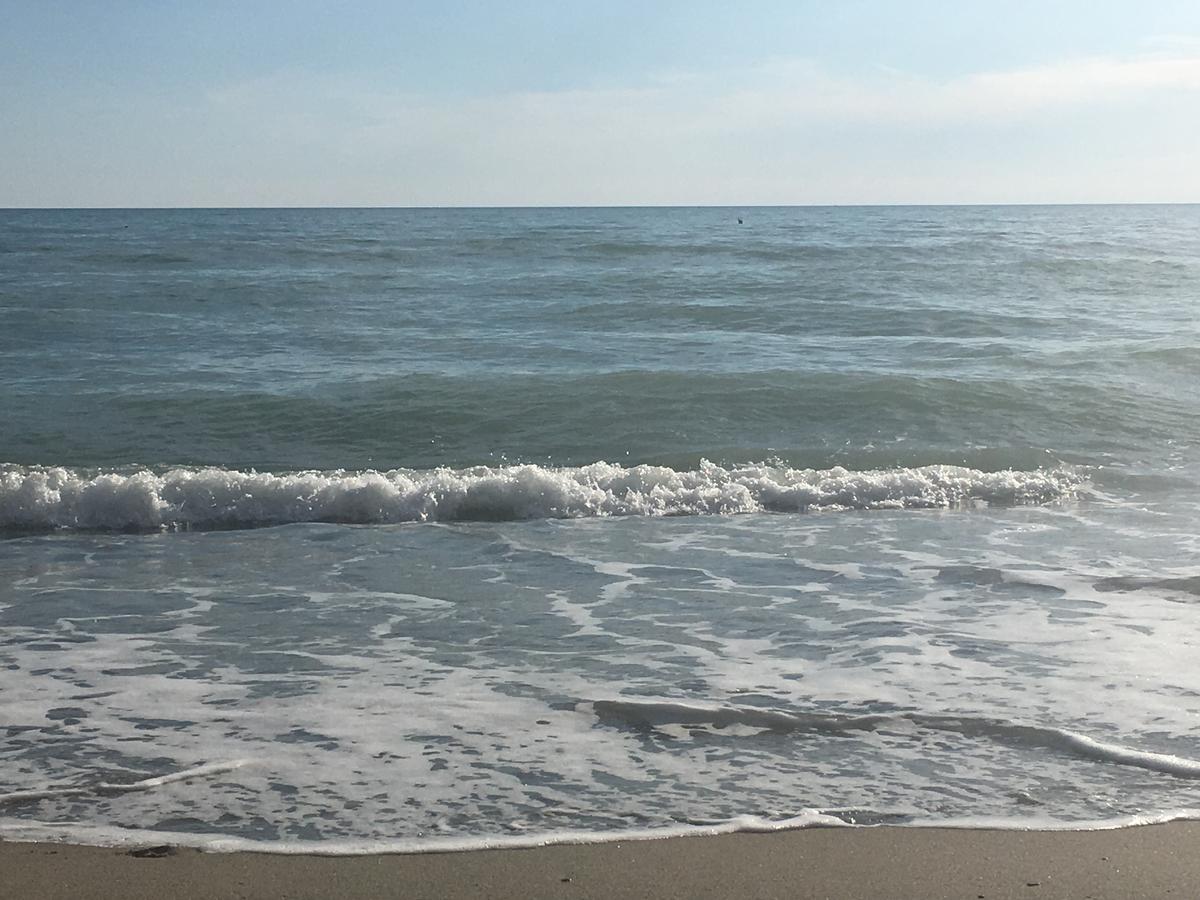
[40, 498]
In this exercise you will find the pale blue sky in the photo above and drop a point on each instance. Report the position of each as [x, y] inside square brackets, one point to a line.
[534, 102]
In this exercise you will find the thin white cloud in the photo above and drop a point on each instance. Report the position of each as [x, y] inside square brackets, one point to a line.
[800, 89]
[787, 131]
[1086, 81]
[768, 94]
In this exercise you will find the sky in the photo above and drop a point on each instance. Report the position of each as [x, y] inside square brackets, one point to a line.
[597, 102]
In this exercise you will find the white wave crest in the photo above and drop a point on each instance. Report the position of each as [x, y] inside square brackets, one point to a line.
[48, 498]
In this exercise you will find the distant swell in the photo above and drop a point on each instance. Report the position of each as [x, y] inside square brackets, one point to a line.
[37, 498]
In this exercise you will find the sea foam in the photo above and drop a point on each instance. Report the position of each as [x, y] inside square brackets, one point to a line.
[127, 838]
[182, 498]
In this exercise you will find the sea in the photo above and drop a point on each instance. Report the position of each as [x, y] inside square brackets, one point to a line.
[371, 530]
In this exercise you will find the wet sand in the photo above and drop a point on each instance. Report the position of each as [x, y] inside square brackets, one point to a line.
[899, 863]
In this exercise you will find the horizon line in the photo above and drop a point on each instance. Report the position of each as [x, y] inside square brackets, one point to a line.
[468, 207]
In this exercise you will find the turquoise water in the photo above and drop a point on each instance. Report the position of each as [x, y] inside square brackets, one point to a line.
[474, 525]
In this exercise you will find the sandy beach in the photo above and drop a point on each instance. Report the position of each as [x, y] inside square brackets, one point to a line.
[899, 863]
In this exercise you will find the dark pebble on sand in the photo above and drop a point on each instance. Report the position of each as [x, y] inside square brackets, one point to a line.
[157, 852]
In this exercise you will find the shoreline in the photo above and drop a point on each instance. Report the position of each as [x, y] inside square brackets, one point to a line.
[927, 863]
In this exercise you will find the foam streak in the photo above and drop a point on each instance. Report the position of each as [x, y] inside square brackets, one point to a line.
[105, 787]
[652, 714]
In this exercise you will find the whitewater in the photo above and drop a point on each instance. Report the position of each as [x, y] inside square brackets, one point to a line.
[209, 498]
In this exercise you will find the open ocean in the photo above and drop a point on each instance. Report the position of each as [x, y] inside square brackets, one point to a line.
[364, 530]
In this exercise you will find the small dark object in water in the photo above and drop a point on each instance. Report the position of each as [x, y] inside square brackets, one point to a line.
[156, 852]
[739, 220]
